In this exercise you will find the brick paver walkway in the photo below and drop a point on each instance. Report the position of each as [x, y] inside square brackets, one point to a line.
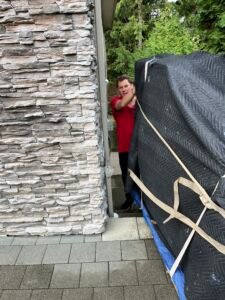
[100, 267]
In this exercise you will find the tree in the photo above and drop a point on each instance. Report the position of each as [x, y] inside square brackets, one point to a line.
[208, 17]
[134, 19]
[169, 35]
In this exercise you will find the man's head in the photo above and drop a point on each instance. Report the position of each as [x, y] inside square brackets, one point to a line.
[124, 84]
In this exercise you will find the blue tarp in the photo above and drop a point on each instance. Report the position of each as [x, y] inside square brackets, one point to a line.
[167, 257]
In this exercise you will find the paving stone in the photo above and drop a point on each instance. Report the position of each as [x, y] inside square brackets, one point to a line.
[70, 239]
[6, 240]
[151, 272]
[66, 276]
[48, 240]
[37, 277]
[94, 274]
[145, 292]
[78, 294]
[57, 255]
[109, 293]
[29, 240]
[31, 255]
[122, 273]
[133, 250]
[143, 229]
[16, 295]
[11, 276]
[95, 278]
[9, 254]
[53, 294]
[92, 238]
[82, 252]
[165, 292]
[152, 250]
[108, 251]
[121, 229]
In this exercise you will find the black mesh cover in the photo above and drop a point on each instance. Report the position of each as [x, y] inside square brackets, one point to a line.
[184, 98]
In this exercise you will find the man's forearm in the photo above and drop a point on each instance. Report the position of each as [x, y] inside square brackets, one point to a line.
[125, 101]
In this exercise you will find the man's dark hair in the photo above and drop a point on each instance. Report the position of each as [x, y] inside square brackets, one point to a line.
[122, 78]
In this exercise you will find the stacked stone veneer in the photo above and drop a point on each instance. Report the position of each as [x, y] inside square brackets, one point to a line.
[51, 154]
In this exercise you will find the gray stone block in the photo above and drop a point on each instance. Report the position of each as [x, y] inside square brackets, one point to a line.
[143, 229]
[152, 250]
[6, 241]
[53, 294]
[37, 277]
[31, 255]
[165, 292]
[92, 238]
[16, 295]
[48, 240]
[9, 254]
[66, 276]
[133, 250]
[11, 276]
[109, 293]
[145, 292]
[78, 294]
[122, 273]
[121, 229]
[29, 240]
[108, 251]
[71, 239]
[94, 274]
[82, 252]
[151, 272]
[57, 255]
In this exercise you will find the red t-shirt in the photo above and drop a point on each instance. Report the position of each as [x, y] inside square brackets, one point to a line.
[124, 124]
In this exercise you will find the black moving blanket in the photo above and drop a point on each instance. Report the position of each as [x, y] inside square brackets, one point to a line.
[184, 98]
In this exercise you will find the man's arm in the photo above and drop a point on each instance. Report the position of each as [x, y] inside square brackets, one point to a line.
[125, 100]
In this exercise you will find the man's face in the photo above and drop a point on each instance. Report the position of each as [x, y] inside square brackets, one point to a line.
[124, 87]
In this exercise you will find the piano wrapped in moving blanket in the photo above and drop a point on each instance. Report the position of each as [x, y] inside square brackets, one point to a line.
[183, 98]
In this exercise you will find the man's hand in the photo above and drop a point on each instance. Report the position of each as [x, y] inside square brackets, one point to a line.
[126, 99]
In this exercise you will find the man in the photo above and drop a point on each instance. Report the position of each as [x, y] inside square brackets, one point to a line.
[123, 107]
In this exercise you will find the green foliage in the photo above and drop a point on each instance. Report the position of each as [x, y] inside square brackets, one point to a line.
[121, 59]
[133, 21]
[169, 36]
[161, 32]
[209, 17]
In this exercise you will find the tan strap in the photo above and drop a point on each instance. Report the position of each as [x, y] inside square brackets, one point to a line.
[187, 183]
[204, 197]
[185, 246]
[177, 215]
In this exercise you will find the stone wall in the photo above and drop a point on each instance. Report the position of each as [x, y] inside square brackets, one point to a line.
[51, 153]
